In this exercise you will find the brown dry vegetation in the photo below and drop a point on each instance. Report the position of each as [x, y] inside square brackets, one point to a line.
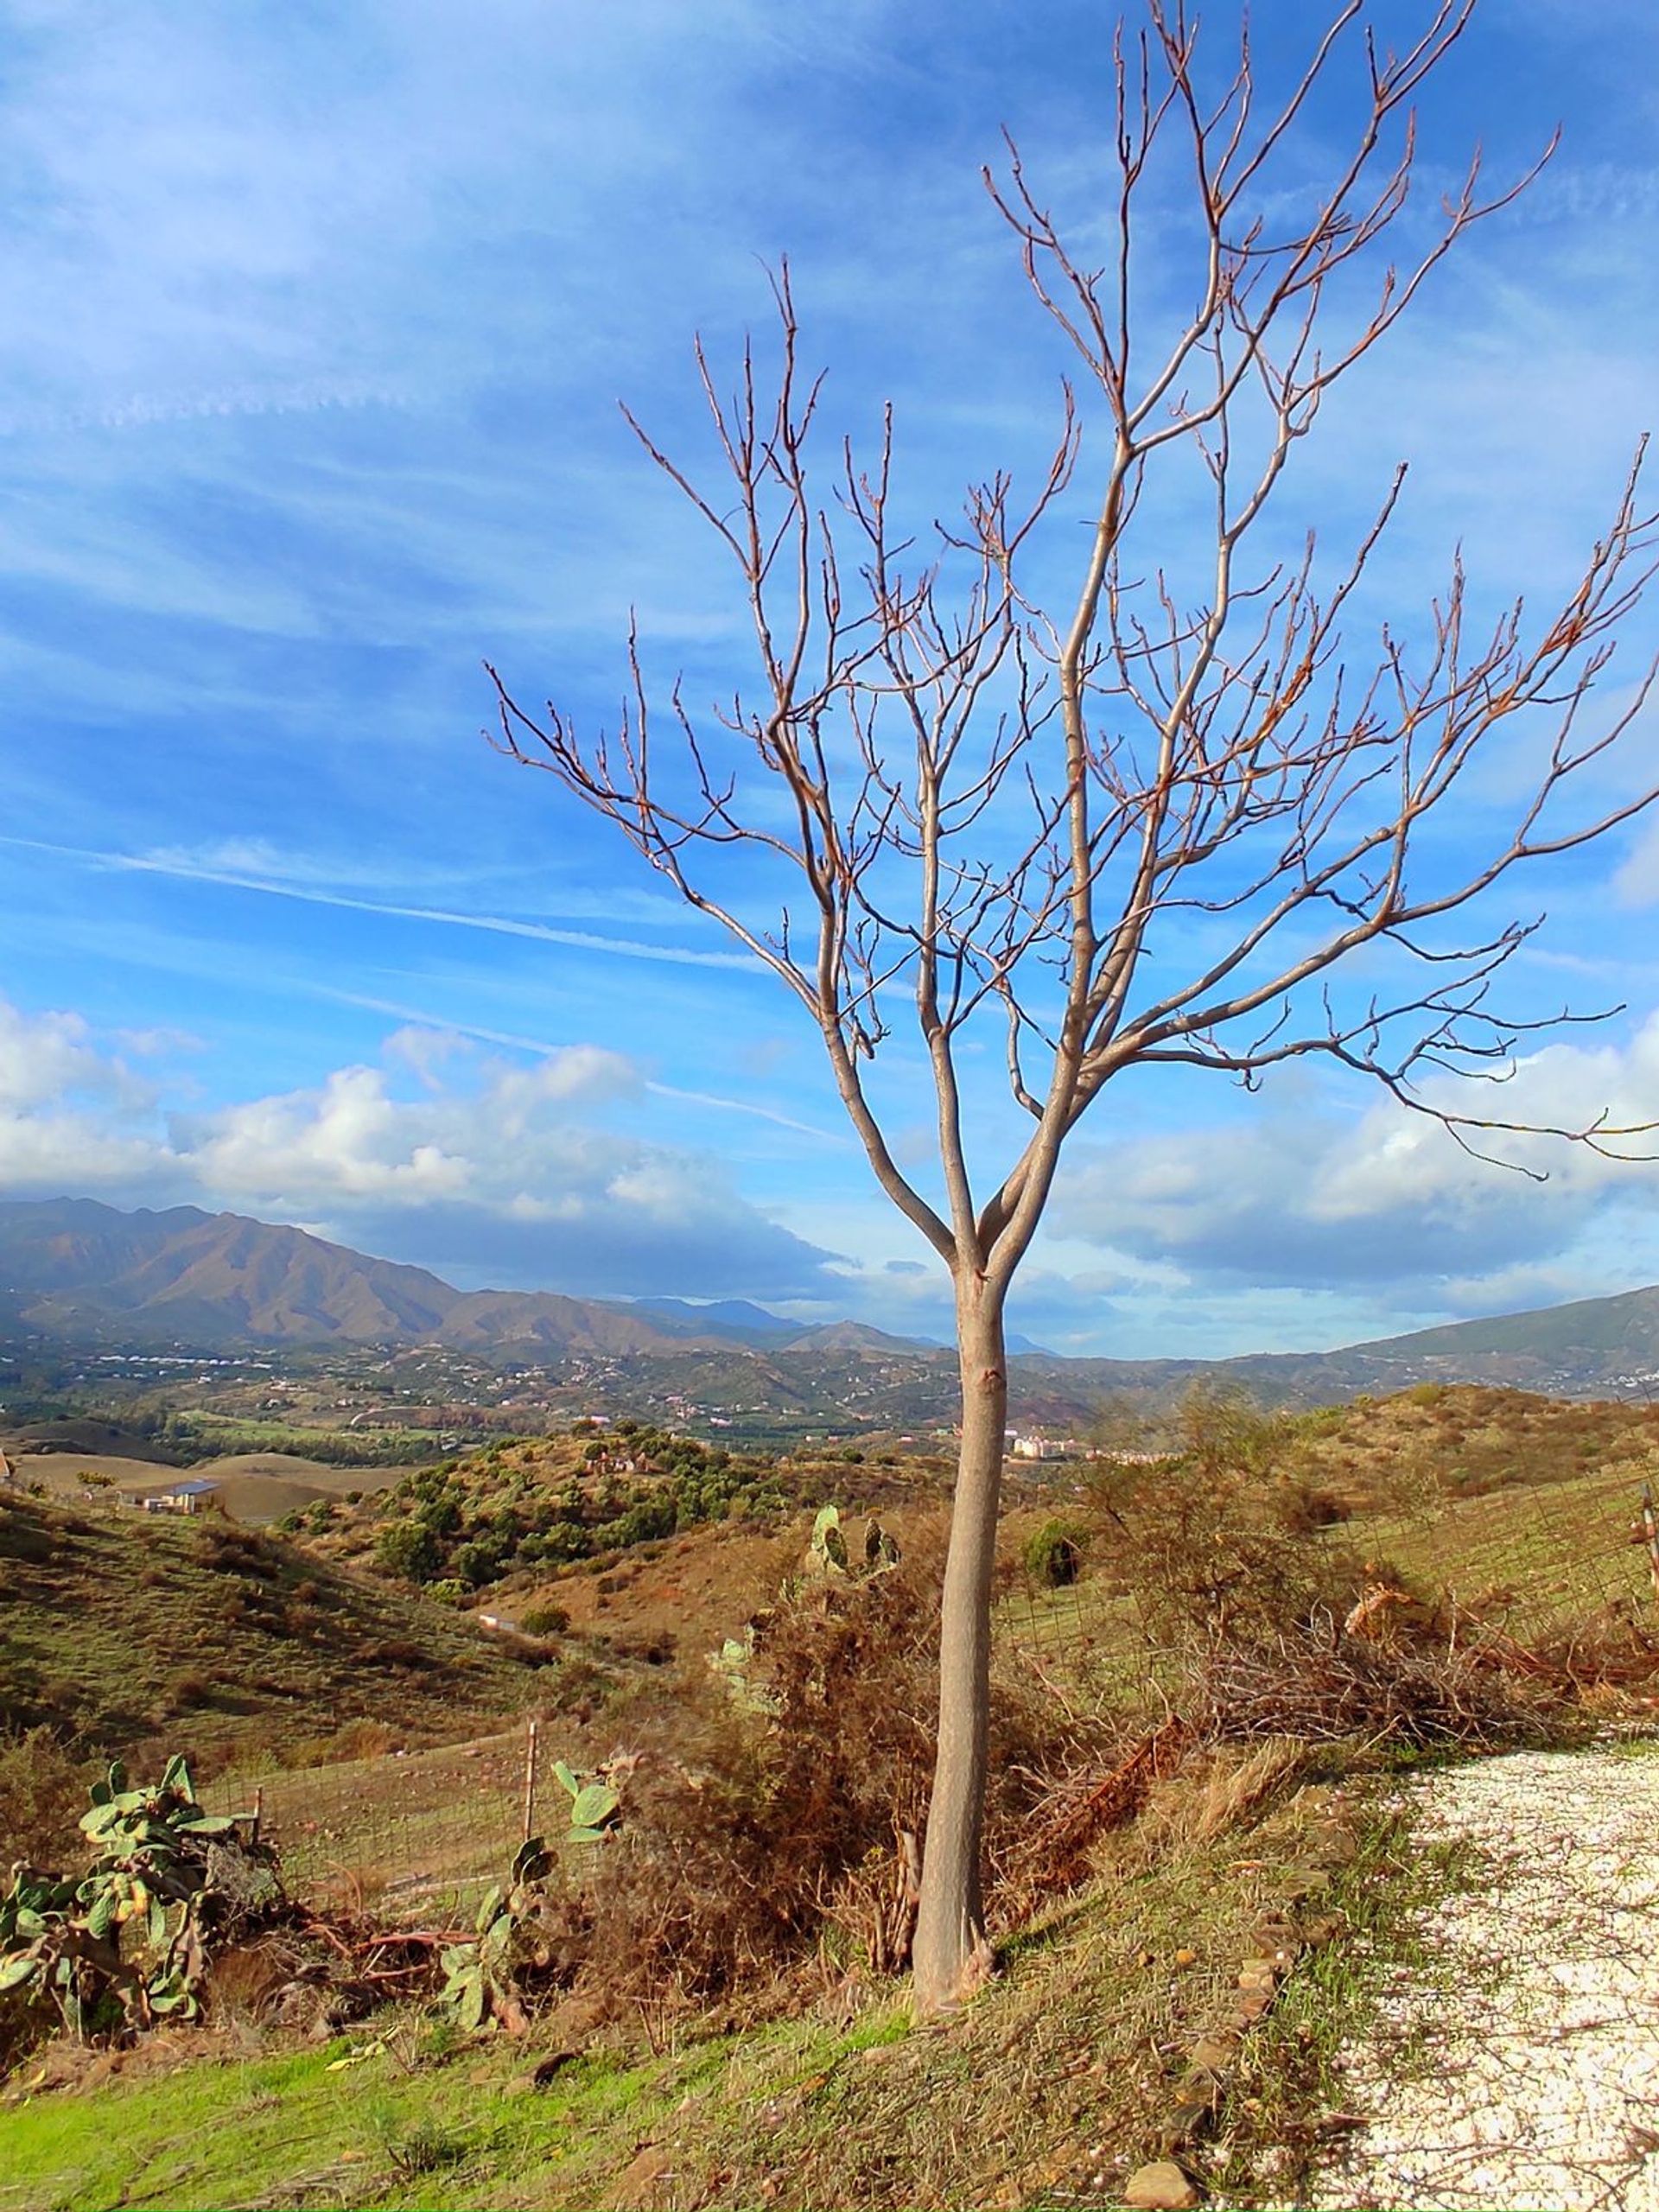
[1444, 1440]
[1168, 1727]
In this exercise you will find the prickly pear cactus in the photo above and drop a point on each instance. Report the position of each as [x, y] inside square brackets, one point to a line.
[595, 1807]
[484, 1976]
[829, 1554]
[125, 1944]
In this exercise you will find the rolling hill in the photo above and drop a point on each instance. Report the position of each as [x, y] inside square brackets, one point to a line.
[213, 1639]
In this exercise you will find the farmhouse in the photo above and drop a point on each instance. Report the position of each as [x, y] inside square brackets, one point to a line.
[197, 1495]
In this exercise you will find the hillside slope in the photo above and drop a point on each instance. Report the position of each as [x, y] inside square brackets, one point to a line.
[115, 1632]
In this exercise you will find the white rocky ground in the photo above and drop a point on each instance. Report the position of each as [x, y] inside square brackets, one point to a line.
[1520, 2068]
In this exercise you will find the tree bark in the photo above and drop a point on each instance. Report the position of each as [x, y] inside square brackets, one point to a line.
[952, 1956]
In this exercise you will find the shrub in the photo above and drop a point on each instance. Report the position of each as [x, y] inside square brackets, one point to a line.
[409, 1548]
[748, 1818]
[42, 1790]
[236, 1551]
[1214, 1549]
[545, 1619]
[1053, 1553]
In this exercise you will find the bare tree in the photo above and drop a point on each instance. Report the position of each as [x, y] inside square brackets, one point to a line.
[991, 808]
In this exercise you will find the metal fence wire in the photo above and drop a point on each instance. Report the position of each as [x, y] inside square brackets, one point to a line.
[406, 1837]
[1561, 1566]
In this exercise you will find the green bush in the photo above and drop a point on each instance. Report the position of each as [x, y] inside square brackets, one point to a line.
[409, 1548]
[1054, 1553]
[545, 1619]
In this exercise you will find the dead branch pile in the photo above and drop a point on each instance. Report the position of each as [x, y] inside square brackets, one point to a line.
[1351, 1687]
[1050, 1851]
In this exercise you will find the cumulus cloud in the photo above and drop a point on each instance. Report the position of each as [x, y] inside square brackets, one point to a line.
[1315, 1197]
[510, 1173]
[48, 1056]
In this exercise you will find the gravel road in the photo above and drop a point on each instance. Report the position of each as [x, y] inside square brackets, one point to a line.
[1521, 2067]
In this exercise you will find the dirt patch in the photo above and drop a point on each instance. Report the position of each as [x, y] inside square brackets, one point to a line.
[253, 1486]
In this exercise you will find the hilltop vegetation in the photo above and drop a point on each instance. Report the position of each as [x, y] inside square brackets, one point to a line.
[1462, 1441]
[530, 1510]
[470, 1522]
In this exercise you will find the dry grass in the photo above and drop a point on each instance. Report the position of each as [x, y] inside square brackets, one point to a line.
[123, 1636]
[42, 1795]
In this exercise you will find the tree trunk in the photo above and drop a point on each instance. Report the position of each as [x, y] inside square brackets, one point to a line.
[951, 1954]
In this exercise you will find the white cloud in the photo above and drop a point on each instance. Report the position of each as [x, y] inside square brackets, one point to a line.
[44, 1056]
[1636, 883]
[509, 1172]
[1386, 1198]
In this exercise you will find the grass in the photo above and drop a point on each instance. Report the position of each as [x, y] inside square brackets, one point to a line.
[405, 2116]
[1061, 2070]
[1532, 1558]
[121, 1634]
[390, 2120]
[411, 1836]
[1290, 2084]
[1445, 1439]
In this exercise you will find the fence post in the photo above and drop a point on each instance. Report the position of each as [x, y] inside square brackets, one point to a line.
[258, 1808]
[529, 1780]
[1651, 1530]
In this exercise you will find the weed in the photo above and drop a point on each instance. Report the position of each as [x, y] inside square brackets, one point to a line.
[1273, 2123]
[425, 2150]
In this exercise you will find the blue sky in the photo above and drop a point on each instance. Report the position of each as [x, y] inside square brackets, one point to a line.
[315, 323]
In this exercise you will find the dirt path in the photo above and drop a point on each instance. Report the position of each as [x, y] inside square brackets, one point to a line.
[1518, 2065]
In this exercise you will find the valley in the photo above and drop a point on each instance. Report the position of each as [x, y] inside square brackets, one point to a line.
[208, 1335]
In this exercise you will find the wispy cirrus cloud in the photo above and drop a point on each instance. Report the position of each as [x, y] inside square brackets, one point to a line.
[313, 894]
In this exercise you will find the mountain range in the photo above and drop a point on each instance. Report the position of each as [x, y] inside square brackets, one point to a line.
[77, 1272]
[86, 1273]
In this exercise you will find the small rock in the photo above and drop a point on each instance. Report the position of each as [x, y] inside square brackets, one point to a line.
[1160, 2187]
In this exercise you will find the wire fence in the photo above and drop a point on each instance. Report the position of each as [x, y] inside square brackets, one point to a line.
[1560, 1564]
[407, 1837]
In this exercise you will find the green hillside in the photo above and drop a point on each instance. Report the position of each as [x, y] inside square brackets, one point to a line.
[116, 1631]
